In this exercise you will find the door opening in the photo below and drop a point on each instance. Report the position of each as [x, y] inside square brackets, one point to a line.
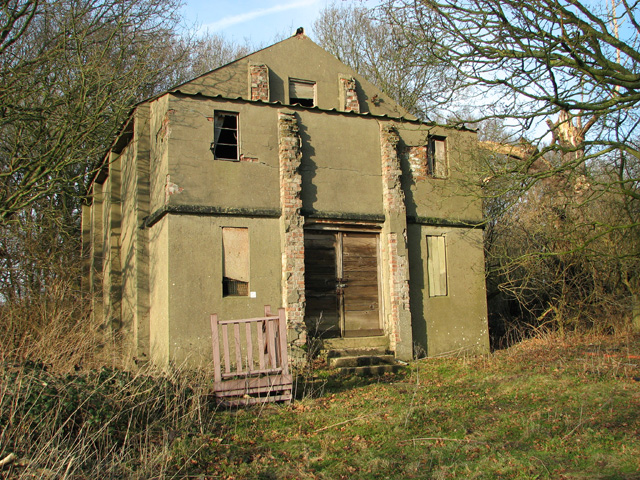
[342, 284]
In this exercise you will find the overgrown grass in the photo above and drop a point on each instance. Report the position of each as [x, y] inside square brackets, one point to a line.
[552, 407]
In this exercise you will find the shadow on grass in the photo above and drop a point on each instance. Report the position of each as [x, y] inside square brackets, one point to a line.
[326, 382]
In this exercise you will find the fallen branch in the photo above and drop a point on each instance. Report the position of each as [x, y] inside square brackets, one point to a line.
[8, 460]
[612, 355]
[438, 439]
[579, 424]
[346, 421]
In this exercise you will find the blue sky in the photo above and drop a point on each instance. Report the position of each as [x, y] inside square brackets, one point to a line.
[257, 22]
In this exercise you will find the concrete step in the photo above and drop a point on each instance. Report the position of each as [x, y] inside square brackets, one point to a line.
[361, 361]
[371, 370]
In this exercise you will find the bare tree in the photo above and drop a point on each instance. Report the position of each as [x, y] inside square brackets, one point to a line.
[70, 71]
[210, 51]
[533, 62]
[563, 74]
[15, 17]
[368, 41]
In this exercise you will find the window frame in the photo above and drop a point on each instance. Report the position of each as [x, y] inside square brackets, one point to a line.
[437, 167]
[301, 81]
[219, 130]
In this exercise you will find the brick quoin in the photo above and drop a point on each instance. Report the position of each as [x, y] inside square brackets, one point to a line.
[351, 103]
[292, 223]
[393, 196]
[395, 215]
[259, 80]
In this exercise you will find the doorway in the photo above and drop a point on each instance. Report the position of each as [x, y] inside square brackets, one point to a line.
[342, 284]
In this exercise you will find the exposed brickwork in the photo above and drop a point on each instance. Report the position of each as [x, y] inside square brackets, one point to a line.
[244, 158]
[171, 188]
[165, 129]
[399, 318]
[259, 79]
[392, 194]
[351, 103]
[399, 279]
[417, 158]
[292, 224]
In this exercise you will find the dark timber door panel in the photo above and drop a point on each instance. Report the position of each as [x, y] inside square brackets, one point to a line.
[342, 284]
[321, 313]
[360, 277]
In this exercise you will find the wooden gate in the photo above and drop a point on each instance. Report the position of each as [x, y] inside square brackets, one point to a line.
[250, 359]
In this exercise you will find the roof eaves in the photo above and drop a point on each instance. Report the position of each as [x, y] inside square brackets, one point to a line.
[177, 87]
[300, 107]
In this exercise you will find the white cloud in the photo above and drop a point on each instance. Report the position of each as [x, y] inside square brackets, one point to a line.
[245, 17]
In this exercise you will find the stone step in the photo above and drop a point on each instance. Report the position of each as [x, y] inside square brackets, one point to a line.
[356, 343]
[356, 352]
[371, 370]
[361, 361]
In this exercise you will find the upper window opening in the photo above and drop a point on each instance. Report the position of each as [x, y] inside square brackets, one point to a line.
[437, 157]
[302, 92]
[225, 142]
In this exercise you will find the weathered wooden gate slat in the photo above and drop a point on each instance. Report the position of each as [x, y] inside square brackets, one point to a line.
[239, 386]
[238, 380]
[254, 400]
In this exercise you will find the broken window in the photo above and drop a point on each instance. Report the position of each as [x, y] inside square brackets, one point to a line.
[302, 92]
[235, 262]
[437, 157]
[437, 265]
[225, 140]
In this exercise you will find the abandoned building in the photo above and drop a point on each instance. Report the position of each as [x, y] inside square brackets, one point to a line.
[285, 179]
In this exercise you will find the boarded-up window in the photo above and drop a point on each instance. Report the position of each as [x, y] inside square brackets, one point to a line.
[437, 265]
[235, 261]
[302, 92]
[437, 157]
[225, 140]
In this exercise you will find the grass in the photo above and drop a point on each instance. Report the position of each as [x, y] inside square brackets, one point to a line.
[553, 407]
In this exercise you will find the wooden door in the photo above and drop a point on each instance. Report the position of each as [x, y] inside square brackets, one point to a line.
[341, 282]
[360, 306]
